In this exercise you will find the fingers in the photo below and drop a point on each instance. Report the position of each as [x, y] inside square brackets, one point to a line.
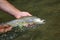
[22, 14]
[1, 29]
[26, 14]
[5, 28]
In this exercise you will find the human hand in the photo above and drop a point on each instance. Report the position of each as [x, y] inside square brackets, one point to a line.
[5, 28]
[22, 14]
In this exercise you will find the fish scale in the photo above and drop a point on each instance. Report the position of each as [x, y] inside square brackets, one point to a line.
[19, 26]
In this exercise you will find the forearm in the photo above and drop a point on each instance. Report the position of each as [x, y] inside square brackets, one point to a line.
[7, 7]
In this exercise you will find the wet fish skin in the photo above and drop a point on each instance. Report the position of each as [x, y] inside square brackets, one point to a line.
[28, 19]
[19, 28]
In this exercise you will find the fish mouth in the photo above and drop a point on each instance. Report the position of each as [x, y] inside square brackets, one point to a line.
[39, 21]
[42, 22]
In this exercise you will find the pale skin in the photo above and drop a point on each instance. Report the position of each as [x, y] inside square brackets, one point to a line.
[10, 9]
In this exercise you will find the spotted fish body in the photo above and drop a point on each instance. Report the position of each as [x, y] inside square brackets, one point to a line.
[20, 26]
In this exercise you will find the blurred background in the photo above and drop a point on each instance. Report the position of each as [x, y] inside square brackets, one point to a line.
[45, 9]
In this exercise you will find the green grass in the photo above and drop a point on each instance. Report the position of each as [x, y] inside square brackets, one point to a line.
[46, 9]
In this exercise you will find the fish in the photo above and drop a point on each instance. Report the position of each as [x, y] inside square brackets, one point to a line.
[21, 25]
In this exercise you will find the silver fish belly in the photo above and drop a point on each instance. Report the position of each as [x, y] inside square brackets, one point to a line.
[20, 26]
